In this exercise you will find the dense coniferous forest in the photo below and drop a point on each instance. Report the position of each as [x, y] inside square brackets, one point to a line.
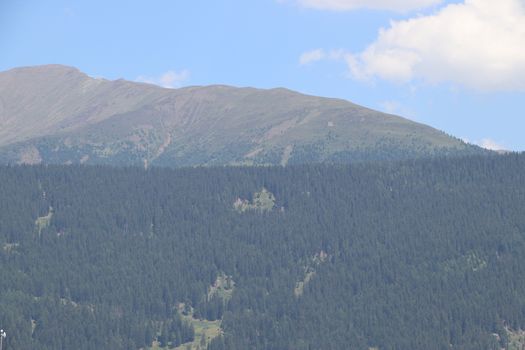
[425, 254]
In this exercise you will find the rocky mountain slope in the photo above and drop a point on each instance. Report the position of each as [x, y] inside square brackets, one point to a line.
[57, 114]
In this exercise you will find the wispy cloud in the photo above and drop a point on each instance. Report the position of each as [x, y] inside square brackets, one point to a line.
[347, 5]
[488, 143]
[491, 145]
[397, 108]
[170, 79]
[312, 56]
[317, 55]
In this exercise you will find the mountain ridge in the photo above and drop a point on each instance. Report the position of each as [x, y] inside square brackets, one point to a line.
[57, 114]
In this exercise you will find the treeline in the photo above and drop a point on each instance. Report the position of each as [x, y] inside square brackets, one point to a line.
[420, 254]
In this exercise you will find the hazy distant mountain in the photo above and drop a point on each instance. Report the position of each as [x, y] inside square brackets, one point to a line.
[57, 114]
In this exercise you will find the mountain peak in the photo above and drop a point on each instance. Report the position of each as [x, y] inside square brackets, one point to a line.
[46, 69]
[60, 115]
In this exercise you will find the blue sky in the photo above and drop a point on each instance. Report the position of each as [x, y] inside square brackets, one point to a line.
[456, 65]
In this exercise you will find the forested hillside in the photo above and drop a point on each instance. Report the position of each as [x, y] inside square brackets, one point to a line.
[423, 254]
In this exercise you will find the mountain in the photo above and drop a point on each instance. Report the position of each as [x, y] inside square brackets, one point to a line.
[57, 114]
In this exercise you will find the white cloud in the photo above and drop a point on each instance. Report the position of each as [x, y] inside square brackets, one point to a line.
[396, 108]
[346, 5]
[491, 145]
[170, 79]
[312, 56]
[478, 44]
[487, 143]
[390, 106]
[319, 55]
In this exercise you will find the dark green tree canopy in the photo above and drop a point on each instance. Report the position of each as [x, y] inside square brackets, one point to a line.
[411, 255]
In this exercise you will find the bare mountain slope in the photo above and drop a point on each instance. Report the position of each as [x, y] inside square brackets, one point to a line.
[56, 114]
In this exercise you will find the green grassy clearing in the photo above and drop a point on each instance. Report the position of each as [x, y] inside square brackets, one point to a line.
[203, 328]
[516, 339]
[43, 221]
[223, 287]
